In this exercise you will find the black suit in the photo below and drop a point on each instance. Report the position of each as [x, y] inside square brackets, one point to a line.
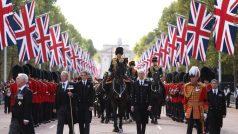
[216, 110]
[62, 106]
[141, 99]
[22, 110]
[85, 99]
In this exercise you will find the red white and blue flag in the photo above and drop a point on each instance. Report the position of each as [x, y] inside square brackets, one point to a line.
[225, 12]
[164, 50]
[43, 38]
[7, 36]
[172, 38]
[182, 56]
[74, 56]
[156, 51]
[66, 50]
[25, 31]
[56, 55]
[200, 24]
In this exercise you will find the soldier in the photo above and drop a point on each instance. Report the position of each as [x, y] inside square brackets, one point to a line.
[118, 61]
[85, 98]
[195, 100]
[180, 97]
[7, 97]
[13, 87]
[216, 108]
[141, 102]
[132, 73]
[154, 68]
[22, 121]
[168, 95]
[174, 93]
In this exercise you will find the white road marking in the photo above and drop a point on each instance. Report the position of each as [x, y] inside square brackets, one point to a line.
[158, 126]
[52, 126]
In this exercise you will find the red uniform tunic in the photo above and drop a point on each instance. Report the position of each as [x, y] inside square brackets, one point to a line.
[13, 89]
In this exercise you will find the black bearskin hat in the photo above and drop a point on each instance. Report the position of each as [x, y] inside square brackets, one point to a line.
[30, 67]
[154, 59]
[180, 76]
[186, 78]
[207, 74]
[55, 77]
[174, 77]
[16, 70]
[132, 63]
[119, 50]
[169, 77]
[26, 70]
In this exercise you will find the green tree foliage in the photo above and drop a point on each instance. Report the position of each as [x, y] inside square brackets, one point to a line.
[56, 16]
[169, 16]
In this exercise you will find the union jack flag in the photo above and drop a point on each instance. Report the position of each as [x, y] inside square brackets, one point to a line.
[164, 50]
[225, 30]
[200, 23]
[25, 31]
[43, 38]
[156, 51]
[7, 36]
[56, 55]
[182, 56]
[74, 55]
[66, 50]
[172, 33]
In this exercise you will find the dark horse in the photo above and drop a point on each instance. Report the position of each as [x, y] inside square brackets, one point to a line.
[157, 97]
[119, 95]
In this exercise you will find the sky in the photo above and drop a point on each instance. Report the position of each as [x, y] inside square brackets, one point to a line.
[105, 21]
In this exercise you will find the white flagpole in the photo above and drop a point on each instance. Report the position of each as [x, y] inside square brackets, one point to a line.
[5, 64]
[186, 69]
[39, 66]
[219, 65]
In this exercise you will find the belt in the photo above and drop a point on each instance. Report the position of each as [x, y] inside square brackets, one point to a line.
[195, 103]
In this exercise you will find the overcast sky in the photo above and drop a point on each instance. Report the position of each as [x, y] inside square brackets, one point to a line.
[105, 21]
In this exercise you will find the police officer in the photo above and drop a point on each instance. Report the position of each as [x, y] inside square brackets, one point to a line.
[216, 108]
[22, 121]
[227, 92]
[85, 98]
[155, 67]
[141, 102]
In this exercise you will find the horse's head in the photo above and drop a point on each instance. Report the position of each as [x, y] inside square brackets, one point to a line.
[120, 71]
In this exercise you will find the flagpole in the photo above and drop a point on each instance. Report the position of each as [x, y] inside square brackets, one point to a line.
[219, 67]
[5, 64]
[39, 66]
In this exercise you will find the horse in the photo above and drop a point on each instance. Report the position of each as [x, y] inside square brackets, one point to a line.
[118, 95]
[157, 96]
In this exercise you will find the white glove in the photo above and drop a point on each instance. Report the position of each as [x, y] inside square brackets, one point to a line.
[132, 109]
[205, 115]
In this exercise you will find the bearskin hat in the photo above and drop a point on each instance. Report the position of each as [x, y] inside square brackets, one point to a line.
[16, 70]
[30, 67]
[34, 72]
[186, 78]
[26, 70]
[132, 63]
[50, 76]
[154, 59]
[169, 77]
[174, 77]
[180, 76]
[55, 77]
[207, 74]
[119, 50]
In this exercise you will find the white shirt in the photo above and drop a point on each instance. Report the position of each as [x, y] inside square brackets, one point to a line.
[65, 84]
[84, 82]
[21, 88]
[215, 91]
[141, 82]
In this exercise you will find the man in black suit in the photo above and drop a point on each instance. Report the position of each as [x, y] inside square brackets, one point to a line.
[141, 102]
[22, 121]
[85, 98]
[216, 108]
[65, 104]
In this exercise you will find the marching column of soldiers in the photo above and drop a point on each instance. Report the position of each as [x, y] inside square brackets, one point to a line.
[186, 97]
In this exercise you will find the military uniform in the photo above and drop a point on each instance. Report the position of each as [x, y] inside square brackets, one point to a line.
[141, 99]
[153, 69]
[216, 110]
[195, 104]
[113, 67]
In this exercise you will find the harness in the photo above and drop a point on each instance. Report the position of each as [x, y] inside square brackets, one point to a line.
[121, 92]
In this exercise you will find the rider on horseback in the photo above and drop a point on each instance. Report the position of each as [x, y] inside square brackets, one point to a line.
[118, 61]
[154, 68]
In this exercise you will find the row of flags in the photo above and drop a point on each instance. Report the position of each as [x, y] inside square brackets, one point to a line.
[190, 38]
[37, 40]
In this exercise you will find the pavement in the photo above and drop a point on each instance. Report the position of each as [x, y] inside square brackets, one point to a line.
[165, 126]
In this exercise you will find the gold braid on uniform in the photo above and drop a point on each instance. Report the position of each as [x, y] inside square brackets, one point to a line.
[187, 92]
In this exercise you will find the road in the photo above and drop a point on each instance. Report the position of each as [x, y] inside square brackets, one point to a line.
[165, 126]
